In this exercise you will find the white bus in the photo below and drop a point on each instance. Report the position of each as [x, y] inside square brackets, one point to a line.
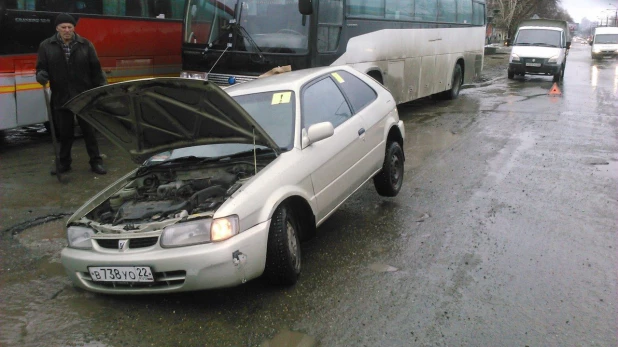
[415, 48]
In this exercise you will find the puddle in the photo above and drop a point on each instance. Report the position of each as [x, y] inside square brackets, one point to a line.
[288, 338]
[606, 169]
[377, 267]
[420, 143]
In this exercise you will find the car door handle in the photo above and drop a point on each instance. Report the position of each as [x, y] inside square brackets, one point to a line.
[361, 131]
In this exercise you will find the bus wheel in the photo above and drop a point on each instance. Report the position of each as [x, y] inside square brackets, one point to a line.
[376, 75]
[453, 93]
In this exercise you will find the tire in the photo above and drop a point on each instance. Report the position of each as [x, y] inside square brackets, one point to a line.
[559, 75]
[389, 180]
[283, 258]
[453, 93]
[510, 75]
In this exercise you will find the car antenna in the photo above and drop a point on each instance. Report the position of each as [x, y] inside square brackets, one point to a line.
[215, 64]
[254, 152]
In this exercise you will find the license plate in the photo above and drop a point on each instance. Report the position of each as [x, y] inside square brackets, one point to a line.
[121, 274]
[533, 64]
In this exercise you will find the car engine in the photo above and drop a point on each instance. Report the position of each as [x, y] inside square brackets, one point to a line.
[166, 193]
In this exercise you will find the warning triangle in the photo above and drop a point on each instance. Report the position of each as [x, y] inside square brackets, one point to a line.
[555, 90]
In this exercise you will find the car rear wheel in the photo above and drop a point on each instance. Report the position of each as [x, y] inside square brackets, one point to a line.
[283, 260]
[389, 180]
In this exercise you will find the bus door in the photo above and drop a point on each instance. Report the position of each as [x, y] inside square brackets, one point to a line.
[29, 94]
[330, 23]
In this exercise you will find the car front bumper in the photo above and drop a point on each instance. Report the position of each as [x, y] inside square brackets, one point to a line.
[207, 266]
[543, 69]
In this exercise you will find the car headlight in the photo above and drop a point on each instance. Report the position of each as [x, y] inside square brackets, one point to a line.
[514, 57]
[186, 234]
[194, 75]
[80, 237]
[597, 50]
[224, 228]
[553, 60]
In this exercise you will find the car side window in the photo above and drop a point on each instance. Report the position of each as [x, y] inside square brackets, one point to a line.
[323, 102]
[357, 91]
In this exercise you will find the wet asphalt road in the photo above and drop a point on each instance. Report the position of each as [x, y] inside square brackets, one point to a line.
[504, 233]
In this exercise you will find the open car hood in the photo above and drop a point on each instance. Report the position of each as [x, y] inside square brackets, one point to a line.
[149, 116]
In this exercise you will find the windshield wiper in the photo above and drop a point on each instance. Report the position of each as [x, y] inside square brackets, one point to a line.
[179, 160]
[543, 44]
[258, 151]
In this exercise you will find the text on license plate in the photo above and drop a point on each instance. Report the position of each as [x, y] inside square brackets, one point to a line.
[121, 274]
[533, 64]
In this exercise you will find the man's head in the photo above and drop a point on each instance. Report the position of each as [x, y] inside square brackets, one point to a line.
[65, 26]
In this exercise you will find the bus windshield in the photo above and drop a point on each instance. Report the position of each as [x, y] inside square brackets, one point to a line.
[272, 27]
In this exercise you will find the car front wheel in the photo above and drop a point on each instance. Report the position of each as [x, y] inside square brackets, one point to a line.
[283, 260]
[389, 180]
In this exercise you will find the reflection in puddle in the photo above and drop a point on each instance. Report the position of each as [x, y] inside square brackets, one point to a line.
[288, 338]
[609, 170]
[595, 76]
[420, 143]
[377, 267]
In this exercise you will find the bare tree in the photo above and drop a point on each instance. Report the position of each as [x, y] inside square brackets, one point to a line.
[511, 12]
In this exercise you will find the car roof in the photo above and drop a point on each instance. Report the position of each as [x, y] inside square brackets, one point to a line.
[606, 30]
[292, 80]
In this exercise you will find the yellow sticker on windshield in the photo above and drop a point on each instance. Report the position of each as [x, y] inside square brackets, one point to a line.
[281, 98]
[337, 77]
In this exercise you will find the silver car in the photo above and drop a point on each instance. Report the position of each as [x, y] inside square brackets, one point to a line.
[230, 180]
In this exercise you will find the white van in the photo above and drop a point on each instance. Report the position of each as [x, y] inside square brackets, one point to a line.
[540, 48]
[604, 43]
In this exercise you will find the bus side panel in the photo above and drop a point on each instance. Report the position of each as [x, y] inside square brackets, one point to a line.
[134, 49]
[442, 73]
[30, 100]
[412, 78]
[395, 80]
[428, 64]
[8, 108]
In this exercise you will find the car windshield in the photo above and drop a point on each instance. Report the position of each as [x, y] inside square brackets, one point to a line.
[606, 39]
[538, 37]
[274, 26]
[273, 111]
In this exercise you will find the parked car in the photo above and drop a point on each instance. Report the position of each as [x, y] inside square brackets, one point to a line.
[231, 180]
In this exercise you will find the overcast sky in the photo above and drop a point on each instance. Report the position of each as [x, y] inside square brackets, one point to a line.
[591, 9]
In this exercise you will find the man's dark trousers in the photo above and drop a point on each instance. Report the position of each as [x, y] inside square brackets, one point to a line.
[63, 120]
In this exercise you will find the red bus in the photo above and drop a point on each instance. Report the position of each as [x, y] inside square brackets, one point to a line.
[133, 38]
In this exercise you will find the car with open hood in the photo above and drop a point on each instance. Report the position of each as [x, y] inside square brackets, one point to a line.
[229, 181]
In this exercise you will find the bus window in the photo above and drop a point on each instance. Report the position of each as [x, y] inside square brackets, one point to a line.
[134, 8]
[447, 11]
[479, 13]
[330, 19]
[464, 11]
[366, 8]
[426, 10]
[399, 9]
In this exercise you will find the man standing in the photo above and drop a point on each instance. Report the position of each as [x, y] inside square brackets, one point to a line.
[70, 64]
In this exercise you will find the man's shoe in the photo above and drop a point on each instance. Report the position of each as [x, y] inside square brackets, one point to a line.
[61, 168]
[98, 168]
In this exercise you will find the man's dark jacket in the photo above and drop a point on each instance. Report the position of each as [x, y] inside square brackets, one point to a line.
[81, 73]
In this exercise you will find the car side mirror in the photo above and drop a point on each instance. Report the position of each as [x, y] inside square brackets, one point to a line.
[507, 43]
[590, 43]
[305, 7]
[317, 132]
